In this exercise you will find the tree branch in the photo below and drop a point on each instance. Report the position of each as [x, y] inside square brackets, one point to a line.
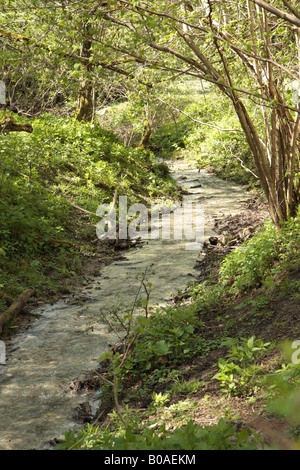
[279, 13]
[291, 8]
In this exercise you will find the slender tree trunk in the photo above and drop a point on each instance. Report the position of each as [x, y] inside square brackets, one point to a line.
[147, 131]
[85, 102]
[272, 180]
[86, 91]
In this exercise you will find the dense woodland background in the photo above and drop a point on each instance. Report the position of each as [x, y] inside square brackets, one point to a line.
[98, 95]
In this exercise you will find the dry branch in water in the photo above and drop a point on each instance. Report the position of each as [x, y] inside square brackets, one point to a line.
[16, 307]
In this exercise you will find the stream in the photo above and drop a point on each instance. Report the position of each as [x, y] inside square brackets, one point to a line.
[66, 339]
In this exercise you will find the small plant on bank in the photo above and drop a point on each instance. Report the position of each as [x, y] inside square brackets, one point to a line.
[186, 387]
[239, 372]
[159, 400]
[249, 264]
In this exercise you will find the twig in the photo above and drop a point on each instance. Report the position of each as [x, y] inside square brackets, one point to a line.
[243, 166]
[114, 385]
[116, 398]
[147, 298]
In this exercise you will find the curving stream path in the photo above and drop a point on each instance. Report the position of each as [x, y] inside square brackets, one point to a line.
[66, 339]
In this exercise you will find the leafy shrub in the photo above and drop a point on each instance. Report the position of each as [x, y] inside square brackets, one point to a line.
[169, 335]
[239, 372]
[249, 264]
[266, 254]
[222, 436]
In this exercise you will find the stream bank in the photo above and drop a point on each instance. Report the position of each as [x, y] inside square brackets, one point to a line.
[64, 343]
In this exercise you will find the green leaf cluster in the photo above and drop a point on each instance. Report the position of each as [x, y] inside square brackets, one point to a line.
[238, 373]
[222, 436]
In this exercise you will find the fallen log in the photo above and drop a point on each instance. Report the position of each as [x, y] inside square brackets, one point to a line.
[16, 307]
[7, 124]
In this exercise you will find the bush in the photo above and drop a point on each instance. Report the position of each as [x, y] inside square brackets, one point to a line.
[267, 253]
[222, 436]
[248, 265]
[169, 335]
[238, 373]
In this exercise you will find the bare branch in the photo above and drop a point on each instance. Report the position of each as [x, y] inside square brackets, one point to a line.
[279, 13]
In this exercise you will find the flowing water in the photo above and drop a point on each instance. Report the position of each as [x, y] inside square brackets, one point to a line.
[66, 340]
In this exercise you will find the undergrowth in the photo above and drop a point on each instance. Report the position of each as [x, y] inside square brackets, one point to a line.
[51, 182]
[163, 344]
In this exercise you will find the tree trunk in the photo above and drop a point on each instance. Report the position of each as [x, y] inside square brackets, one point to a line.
[85, 102]
[86, 93]
[272, 168]
[144, 142]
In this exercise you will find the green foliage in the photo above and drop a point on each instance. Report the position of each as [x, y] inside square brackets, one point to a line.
[159, 399]
[284, 385]
[131, 416]
[186, 387]
[222, 436]
[264, 255]
[61, 164]
[238, 374]
[62, 160]
[248, 265]
[245, 350]
[169, 335]
[226, 152]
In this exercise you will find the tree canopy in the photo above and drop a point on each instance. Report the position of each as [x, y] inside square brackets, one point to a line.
[249, 49]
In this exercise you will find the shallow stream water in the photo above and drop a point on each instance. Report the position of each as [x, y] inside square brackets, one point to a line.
[66, 340]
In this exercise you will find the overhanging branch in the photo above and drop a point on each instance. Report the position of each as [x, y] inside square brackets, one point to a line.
[279, 13]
